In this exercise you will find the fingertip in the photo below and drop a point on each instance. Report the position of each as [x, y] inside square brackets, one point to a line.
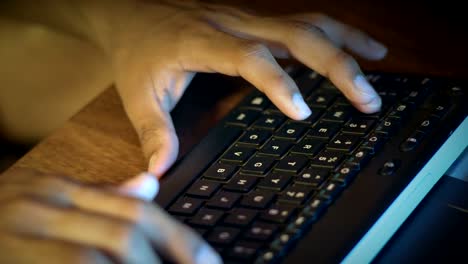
[145, 186]
[372, 107]
[206, 255]
[377, 49]
[301, 108]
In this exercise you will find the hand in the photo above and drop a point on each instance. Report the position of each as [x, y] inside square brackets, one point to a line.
[157, 47]
[51, 219]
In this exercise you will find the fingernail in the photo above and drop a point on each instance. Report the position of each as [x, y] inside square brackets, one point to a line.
[301, 106]
[145, 186]
[364, 88]
[374, 105]
[206, 255]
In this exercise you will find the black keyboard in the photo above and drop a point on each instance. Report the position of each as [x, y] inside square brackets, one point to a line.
[260, 181]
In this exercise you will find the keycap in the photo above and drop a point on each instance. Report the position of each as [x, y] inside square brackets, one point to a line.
[271, 122]
[327, 158]
[241, 183]
[278, 213]
[223, 235]
[388, 126]
[274, 181]
[341, 100]
[358, 126]
[292, 164]
[291, 130]
[206, 217]
[261, 231]
[240, 217]
[324, 129]
[440, 109]
[322, 100]
[220, 171]
[315, 207]
[412, 141]
[345, 173]
[316, 113]
[224, 200]
[374, 142]
[389, 167]
[360, 157]
[276, 147]
[428, 124]
[331, 190]
[312, 176]
[338, 113]
[256, 101]
[185, 206]
[255, 137]
[258, 164]
[307, 83]
[343, 142]
[400, 110]
[295, 194]
[238, 154]
[257, 199]
[242, 117]
[203, 188]
[244, 250]
[308, 146]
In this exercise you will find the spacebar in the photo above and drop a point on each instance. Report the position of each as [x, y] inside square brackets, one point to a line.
[185, 171]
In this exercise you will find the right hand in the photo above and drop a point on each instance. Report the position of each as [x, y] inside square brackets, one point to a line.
[51, 219]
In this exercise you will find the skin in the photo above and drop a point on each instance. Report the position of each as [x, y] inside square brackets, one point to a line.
[155, 49]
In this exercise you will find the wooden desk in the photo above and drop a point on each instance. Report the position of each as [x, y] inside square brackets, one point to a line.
[99, 145]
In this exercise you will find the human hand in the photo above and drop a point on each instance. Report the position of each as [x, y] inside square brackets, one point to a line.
[51, 219]
[157, 47]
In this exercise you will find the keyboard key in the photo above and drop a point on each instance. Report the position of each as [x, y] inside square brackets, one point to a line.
[269, 122]
[400, 111]
[331, 191]
[278, 213]
[257, 199]
[358, 126]
[291, 130]
[260, 165]
[338, 113]
[255, 137]
[261, 231]
[276, 147]
[324, 130]
[185, 206]
[203, 188]
[326, 158]
[341, 100]
[238, 154]
[223, 235]
[308, 146]
[242, 117]
[412, 141]
[388, 126]
[206, 217]
[440, 109]
[374, 142]
[220, 171]
[428, 124]
[241, 183]
[345, 173]
[240, 217]
[312, 176]
[224, 200]
[389, 167]
[321, 100]
[292, 164]
[316, 113]
[361, 156]
[295, 194]
[284, 241]
[315, 208]
[274, 181]
[307, 83]
[243, 250]
[256, 101]
[343, 142]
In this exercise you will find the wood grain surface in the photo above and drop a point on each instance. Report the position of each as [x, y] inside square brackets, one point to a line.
[99, 145]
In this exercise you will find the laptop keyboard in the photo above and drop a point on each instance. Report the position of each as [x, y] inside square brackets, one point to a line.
[277, 176]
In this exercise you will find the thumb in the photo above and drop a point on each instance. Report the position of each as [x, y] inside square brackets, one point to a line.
[144, 186]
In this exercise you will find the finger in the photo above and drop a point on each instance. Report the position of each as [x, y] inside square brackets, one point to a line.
[121, 239]
[167, 235]
[345, 35]
[27, 249]
[249, 59]
[308, 44]
[148, 110]
[145, 186]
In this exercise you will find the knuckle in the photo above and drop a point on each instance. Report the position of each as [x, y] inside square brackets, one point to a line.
[253, 50]
[303, 29]
[341, 59]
